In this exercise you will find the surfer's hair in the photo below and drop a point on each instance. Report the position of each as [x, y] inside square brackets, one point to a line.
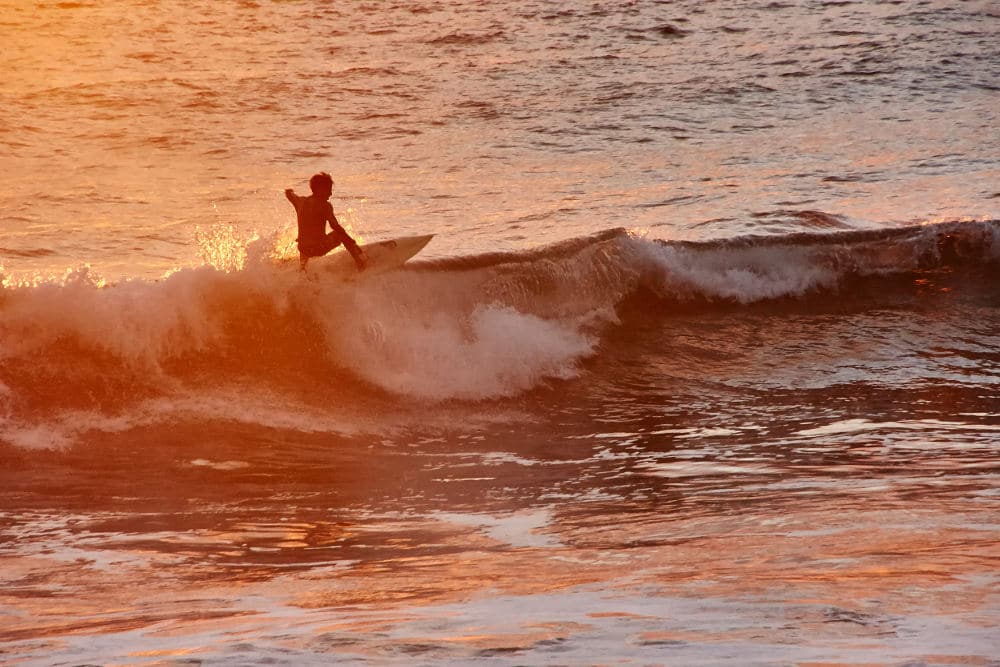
[319, 180]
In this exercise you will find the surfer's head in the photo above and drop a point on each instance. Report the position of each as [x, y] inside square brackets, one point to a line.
[321, 184]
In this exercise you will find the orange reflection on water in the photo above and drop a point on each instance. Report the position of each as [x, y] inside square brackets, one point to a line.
[842, 573]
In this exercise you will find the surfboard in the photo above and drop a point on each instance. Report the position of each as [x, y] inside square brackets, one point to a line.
[382, 256]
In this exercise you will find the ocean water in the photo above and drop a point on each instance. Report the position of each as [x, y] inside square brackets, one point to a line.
[702, 366]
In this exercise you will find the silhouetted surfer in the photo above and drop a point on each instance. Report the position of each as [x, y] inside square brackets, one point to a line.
[313, 212]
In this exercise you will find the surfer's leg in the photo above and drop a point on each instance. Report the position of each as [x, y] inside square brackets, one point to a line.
[331, 241]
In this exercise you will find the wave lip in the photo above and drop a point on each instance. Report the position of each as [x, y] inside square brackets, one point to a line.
[754, 268]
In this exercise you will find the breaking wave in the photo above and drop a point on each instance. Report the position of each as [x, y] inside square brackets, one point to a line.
[260, 342]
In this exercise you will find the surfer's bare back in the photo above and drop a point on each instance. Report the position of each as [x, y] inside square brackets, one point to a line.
[313, 212]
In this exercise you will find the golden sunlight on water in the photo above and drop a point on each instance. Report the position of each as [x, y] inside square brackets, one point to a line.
[500, 131]
[828, 570]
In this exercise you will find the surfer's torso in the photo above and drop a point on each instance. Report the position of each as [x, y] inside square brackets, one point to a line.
[312, 214]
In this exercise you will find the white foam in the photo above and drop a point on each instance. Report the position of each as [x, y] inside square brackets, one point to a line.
[862, 425]
[136, 321]
[687, 468]
[65, 428]
[495, 351]
[745, 274]
[61, 431]
[520, 529]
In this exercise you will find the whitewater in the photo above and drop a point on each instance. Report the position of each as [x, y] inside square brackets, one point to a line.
[700, 368]
[468, 328]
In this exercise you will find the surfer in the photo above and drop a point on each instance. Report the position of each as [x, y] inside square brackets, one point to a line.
[313, 212]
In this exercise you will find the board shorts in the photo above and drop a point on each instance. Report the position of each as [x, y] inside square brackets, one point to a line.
[318, 247]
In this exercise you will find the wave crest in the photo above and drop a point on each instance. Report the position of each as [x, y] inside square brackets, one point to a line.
[467, 328]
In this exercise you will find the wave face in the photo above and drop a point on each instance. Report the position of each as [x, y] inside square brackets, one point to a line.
[267, 345]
